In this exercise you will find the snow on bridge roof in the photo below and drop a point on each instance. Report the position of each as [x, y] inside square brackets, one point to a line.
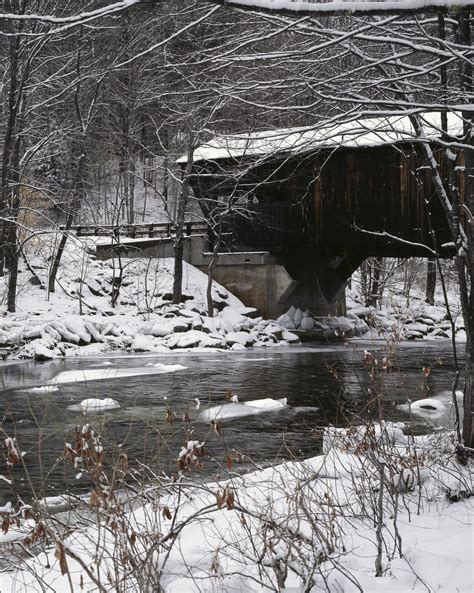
[358, 133]
[302, 7]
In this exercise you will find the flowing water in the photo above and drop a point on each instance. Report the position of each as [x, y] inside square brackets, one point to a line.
[323, 385]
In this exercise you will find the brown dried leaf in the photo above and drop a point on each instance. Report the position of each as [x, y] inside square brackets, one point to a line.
[167, 513]
[216, 427]
[220, 500]
[60, 555]
[94, 500]
[229, 499]
[123, 461]
[6, 525]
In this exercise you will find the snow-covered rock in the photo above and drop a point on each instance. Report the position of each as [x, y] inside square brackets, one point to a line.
[243, 338]
[428, 407]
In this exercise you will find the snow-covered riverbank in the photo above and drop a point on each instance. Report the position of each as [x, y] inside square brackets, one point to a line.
[378, 511]
[78, 318]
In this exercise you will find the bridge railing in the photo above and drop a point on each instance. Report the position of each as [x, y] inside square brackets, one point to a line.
[135, 231]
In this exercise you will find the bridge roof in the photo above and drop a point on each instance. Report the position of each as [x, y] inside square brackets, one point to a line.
[358, 133]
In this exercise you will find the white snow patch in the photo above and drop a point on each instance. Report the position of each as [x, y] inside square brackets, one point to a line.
[98, 405]
[238, 410]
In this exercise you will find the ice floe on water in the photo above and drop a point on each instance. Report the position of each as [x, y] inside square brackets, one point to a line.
[238, 410]
[108, 374]
[98, 405]
[43, 389]
[427, 407]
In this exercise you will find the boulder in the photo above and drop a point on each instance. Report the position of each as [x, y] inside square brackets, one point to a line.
[307, 324]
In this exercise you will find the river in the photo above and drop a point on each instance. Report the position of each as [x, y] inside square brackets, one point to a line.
[323, 385]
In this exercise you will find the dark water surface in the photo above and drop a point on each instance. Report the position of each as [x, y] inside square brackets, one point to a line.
[324, 385]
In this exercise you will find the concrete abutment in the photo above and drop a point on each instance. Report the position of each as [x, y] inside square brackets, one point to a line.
[268, 282]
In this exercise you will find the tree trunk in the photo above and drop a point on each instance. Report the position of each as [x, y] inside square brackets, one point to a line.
[77, 196]
[180, 218]
[430, 281]
[59, 253]
[210, 270]
[467, 299]
[9, 143]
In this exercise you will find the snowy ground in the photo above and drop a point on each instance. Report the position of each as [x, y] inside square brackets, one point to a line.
[380, 511]
[46, 325]
[318, 525]
[78, 318]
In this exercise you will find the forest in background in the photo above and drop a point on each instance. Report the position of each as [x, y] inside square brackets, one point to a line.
[99, 101]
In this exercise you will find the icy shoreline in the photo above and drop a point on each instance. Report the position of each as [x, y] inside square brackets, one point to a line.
[299, 526]
[78, 320]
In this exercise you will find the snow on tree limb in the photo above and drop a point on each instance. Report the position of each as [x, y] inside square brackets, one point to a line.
[74, 19]
[353, 7]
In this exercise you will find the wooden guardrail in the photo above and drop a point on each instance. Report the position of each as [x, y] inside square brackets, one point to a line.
[157, 230]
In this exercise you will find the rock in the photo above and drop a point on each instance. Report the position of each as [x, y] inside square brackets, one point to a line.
[297, 317]
[52, 330]
[273, 330]
[42, 349]
[219, 305]
[162, 329]
[94, 332]
[94, 286]
[242, 338]
[286, 321]
[33, 332]
[439, 333]
[34, 281]
[237, 347]
[344, 325]
[194, 338]
[249, 312]
[76, 326]
[290, 337]
[307, 323]
[425, 320]
[64, 333]
[291, 313]
[142, 344]
[418, 327]
[437, 314]
[414, 335]
[107, 329]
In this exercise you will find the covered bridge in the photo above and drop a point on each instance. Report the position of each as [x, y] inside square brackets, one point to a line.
[321, 200]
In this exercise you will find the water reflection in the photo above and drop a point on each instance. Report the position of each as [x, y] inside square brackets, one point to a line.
[323, 385]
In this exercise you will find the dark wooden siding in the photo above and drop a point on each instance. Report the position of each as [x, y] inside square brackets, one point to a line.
[376, 190]
[334, 202]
